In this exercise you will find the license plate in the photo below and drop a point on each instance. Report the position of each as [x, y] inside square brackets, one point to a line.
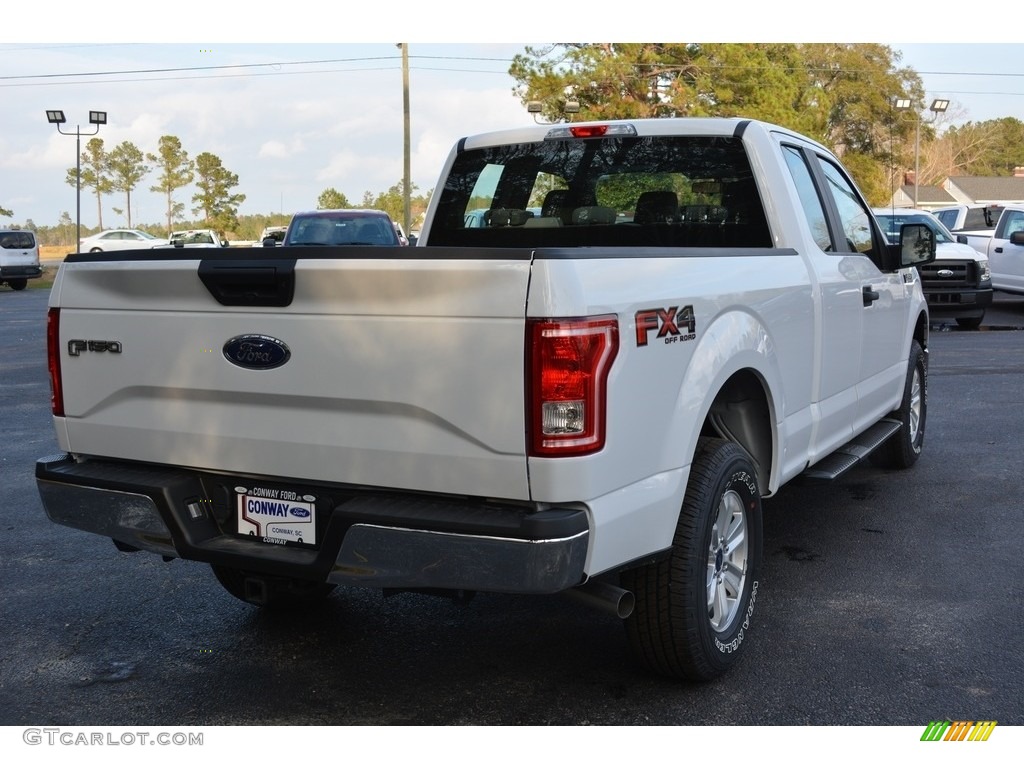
[276, 516]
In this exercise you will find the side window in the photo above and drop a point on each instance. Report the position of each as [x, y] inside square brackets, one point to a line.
[854, 217]
[809, 200]
[1013, 221]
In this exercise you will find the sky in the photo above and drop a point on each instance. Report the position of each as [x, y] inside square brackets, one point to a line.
[298, 115]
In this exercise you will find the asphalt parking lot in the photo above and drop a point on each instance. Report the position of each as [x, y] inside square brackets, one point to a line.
[888, 598]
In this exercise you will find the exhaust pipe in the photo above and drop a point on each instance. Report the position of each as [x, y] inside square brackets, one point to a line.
[605, 596]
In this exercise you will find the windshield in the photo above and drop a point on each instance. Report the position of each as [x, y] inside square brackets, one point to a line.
[193, 238]
[341, 228]
[891, 223]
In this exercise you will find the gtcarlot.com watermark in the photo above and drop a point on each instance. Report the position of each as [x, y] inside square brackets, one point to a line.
[66, 737]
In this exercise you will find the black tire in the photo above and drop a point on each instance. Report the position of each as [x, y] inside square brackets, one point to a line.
[969, 323]
[273, 593]
[19, 284]
[902, 450]
[693, 610]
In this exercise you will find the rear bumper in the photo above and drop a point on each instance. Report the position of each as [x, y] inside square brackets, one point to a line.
[370, 538]
[21, 271]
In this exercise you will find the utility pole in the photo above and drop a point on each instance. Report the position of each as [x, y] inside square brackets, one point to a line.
[406, 170]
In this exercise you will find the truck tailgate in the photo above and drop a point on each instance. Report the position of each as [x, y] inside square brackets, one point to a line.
[403, 372]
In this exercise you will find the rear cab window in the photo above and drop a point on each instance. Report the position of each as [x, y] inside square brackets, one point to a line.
[671, 191]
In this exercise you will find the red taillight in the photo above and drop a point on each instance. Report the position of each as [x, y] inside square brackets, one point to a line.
[588, 131]
[53, 360]
[568, 364]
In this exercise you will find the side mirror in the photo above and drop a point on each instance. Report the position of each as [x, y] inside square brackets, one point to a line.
[961, 239]
[1017, 238]
[917, 245]
[269, 242]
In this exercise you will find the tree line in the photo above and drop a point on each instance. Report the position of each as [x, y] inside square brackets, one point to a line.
[246, 226]
[391, 202]
[843, 95]
[123, 168]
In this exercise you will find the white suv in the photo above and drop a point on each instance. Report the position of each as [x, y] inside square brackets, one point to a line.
[19, 257]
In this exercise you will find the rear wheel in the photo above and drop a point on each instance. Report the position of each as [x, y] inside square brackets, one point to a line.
[18, 285]
[693, 610]
[271, 592]
[902, 450]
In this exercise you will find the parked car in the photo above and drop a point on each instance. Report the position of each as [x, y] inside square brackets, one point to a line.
[958, 284]
[19, 258]
[341, 226]
[270, 237]
[119, 240]
[197, 238]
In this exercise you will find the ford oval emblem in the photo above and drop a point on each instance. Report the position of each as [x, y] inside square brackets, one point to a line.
[945, 273]
[256, 351]
[299, 512]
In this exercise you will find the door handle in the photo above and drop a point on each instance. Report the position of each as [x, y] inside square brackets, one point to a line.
[999, 249]
[870, 296]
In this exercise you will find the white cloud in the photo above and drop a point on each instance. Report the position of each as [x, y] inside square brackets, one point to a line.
[281, 150]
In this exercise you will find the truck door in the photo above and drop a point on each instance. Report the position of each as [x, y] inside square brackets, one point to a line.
[1006, 258]
[839, 313]
[883, 297]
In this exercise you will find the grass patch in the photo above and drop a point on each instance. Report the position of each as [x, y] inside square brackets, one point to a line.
[45, 282]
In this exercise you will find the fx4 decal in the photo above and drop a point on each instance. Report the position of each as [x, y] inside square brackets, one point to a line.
[668, 323]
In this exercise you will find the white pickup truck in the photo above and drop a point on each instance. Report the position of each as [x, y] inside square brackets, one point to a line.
[1002, 242]
[592, 400]
[971, 224]
[1006, 251]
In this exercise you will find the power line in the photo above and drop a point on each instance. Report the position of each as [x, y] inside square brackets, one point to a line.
[211, 68]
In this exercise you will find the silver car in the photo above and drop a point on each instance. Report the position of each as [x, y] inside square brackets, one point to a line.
[119, 240]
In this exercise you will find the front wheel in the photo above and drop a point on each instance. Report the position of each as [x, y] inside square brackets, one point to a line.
[18, 284]
[969, 323]
[902, 450]
[693, 610]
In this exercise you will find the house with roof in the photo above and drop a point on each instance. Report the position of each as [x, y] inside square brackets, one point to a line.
[962, 190]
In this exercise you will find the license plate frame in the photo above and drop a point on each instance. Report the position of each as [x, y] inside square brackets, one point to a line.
[278, 516]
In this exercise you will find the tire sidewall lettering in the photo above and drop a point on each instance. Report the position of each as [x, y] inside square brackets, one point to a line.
[728, 643]
[734, 646]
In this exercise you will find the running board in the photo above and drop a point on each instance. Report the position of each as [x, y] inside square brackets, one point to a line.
[842, 459]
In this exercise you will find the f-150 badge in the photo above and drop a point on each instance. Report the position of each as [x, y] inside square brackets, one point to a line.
[673, 324]
[256, 351]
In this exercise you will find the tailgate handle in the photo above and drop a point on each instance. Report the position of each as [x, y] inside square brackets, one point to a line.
[249, 283]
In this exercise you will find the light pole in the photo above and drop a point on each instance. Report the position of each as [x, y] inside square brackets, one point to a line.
[56, 117]
[937, 106]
